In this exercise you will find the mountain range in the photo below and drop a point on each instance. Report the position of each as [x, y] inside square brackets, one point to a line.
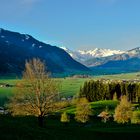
[106, 61]
[90, 57]
[16, 48]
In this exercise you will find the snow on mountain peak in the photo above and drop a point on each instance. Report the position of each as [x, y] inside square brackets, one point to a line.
[64, 48]
[27, 37]
[2, 36]
[83, 55]
[100, 52]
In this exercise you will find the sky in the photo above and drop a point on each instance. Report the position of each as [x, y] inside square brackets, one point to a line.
[75, 24]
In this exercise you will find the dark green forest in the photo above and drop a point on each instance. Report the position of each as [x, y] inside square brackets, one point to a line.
[95, 90]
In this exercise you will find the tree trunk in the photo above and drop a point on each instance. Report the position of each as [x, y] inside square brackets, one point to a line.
[40, 121]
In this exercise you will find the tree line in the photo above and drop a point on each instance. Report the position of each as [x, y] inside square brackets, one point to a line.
[95, 90]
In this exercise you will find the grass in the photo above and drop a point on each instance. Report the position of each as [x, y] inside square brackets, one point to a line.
[127, 76]
[69, 86]
[5, 93]
[97, 107]
[26, 128]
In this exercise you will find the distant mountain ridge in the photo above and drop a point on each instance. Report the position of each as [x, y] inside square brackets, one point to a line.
[119, 62]
[99, 56]
[126, 62]
[83, 56]
[16, 48]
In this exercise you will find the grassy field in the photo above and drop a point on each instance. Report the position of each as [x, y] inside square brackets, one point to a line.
[127, 76]
[97, 107]
[69, 86]
[26, 128]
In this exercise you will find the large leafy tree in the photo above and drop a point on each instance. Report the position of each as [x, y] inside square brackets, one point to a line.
[36, 93]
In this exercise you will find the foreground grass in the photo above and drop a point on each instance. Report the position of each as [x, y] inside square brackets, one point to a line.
[26, 128]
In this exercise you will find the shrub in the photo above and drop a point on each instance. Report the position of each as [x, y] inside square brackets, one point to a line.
[135, 117]
[65, 118]
[105, 115]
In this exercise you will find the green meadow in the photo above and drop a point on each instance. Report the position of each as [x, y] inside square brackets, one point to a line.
[68, 86]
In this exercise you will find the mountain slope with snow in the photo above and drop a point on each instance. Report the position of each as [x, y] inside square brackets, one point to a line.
[100, 52]
[83, 56]
[106, 61]
[123, 63]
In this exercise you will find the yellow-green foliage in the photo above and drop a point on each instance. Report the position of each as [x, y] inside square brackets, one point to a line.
[135, 117]
[123, 111]
[83, 110]
[115, 97]
[63, 104]
[105, 115]
[36, 93]
[65, 118]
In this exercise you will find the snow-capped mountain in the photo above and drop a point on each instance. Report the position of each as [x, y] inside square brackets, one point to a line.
[123, 63]
[106, 57]
[84, 55]
[100, 52]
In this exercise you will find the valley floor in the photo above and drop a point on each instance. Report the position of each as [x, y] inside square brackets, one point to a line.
[26, 127]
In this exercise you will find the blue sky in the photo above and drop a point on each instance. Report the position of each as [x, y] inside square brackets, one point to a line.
[76, 24]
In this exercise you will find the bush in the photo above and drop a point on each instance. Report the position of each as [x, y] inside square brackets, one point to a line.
[135, 117]
[105, 115]
[65, 118]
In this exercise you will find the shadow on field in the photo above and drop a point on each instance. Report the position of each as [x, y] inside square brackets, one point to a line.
[26, 128]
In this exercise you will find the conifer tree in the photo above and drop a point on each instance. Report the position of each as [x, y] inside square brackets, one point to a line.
[83, 110]
[123, 111]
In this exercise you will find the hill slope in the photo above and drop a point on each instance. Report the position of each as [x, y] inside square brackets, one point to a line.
[16, 48]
